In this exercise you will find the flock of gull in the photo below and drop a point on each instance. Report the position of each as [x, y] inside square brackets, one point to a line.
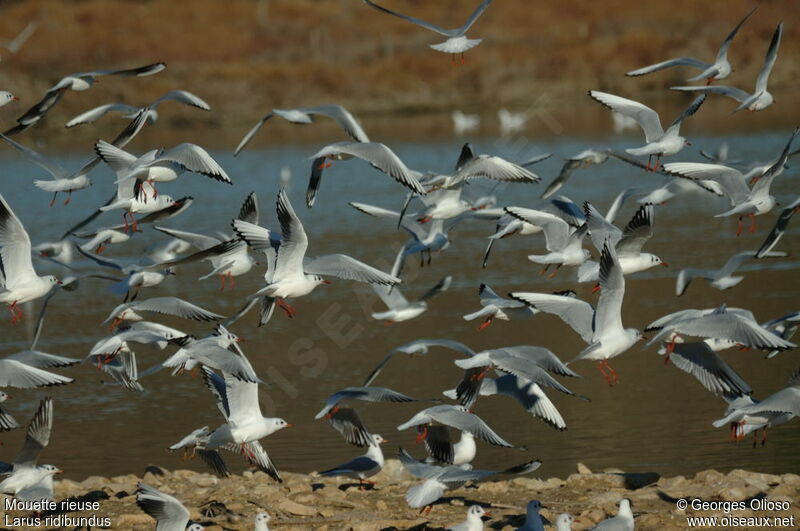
[450, 429]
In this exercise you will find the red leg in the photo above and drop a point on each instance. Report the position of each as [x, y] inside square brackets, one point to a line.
[486, 323]
[554, 273]
[53, 201]
[606, 376]
[231, 281]
[222, 282]
[69, 197]
[741, 226]
[290, 312]
[752, 222]
[544, 270]
[614, 374]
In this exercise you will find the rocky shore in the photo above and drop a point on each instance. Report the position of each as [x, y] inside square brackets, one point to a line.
[308, 502]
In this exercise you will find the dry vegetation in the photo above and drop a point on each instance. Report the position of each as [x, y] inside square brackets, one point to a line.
[256, 54]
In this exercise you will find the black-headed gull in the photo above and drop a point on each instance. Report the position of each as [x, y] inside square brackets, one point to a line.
[443, 450]
[601, 328]
[18, 279]
[785, 327]
[474, 521]
[495, 306]
[131, 311]
[472, 165]
[138, 276]
[77, 82]
[747, 415]
[627, 243]
[294, 275]
[162, 165]
[720, 324]
[6, 97]
[378, 155]
[100, 239]
[456, 417]
[722, 278]
[229, 257]
[457, 41]
[623, 521]
[719, 69]
[745, 201]
[62, 181]
[346, 421]
[701, 361]
[305, 115]
[168, 512]
[262, 522]
[361, 467]
[565, 244]
[660, 143]
[24, 478]
[418, 347]
[129, 111]
[399, 308]
[760, 98]
[437, 479]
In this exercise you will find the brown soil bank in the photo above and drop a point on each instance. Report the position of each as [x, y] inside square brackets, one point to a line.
[307, 502]
[248, 56]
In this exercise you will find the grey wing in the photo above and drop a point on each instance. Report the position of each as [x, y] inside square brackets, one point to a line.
[730, 179]
[669, 63]
[294, 241]
[468, 389]
[175, 306]
[469, 422]
[497, 169]
[376, 394]
[636, 233]
[15, 248]
[418, 22]
[182, 96]
[257, 237]
[54, 169]
[725, 90]
[348, 268]
[646, 117]
[600, 230]
[7, 422]
[16, 374]
[769, 60]
[566, 172]
[733, 327]
[609, 307]
[531, 396]
[249, 212]
[347, 422]
[690, 110]
[140, 71]
[418, 468]
[359, 464]
[700, 360]
[578, 314]
[474, 16]
[258, 457]
[527, 369]
[199, 241]
[543, 357]
[167, 511]
[343, 117]
[92, 115]
[488, 296]
[216, 384]
[193, 158]
[384, 159]
[723, 50]
[42, 360]
[686, 276]
[214, 461]
[251, 133]
[38, 436]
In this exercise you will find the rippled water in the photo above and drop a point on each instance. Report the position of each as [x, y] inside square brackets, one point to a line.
[656, 419]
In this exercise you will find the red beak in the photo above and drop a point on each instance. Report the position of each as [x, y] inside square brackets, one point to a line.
[327, 282]
[664, 264]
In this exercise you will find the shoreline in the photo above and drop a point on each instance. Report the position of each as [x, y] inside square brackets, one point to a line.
[304, 501]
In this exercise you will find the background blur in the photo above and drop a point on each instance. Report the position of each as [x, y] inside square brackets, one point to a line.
[247, 56]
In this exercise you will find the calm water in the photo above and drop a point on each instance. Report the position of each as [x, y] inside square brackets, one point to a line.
[656, 419]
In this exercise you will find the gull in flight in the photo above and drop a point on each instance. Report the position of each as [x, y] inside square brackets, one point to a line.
[362, 467]
[722, 278]
[162, 165]
[627, 243]
[306, 116]
[474, 521]
[131, 311]
[399, 308]
[457, 41]
[7, 422]
[294, 275]
[659, 142]
[600, 328]
[719, 69]
[761, 98]
[378, 155]
[62, 181]
[708, 367]
[584, 159]
[367, 394]
[18, 280]
[745, 201]
[418, 347]
[746, 415]
[77, 82]
[779, 229]
[6, 97]
[26, 480]
[129, 111]
[168, 512]
[497, 307]
[457, 417]
[564, 244]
